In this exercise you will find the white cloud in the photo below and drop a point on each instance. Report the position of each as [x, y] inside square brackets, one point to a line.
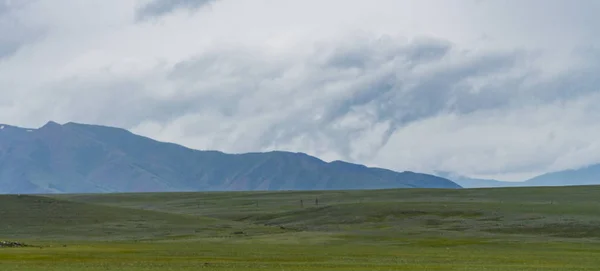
[486, 88]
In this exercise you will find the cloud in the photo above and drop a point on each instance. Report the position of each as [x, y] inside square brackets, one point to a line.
[15, 34]
[519, 142]
[401, 84]
[4, 7]
[158, 8]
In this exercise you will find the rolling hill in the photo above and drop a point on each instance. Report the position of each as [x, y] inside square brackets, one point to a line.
[81, 158]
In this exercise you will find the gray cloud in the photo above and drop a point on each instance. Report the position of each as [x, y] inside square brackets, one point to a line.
[158, 8]
[8, 6]
[4, 7]
[8, 48]
[389, 89]
[445, 102]
[12, 42]
[15, 34]
[338, 96]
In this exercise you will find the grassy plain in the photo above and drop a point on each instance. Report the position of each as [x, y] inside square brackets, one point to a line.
[405, 229]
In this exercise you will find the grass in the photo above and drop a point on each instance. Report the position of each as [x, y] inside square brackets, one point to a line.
[406, 229]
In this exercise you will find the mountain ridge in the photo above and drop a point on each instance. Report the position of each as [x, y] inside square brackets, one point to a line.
[584, 175]
[469, 182]
[86, 158]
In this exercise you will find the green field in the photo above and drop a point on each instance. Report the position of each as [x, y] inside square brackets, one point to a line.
[407, 229]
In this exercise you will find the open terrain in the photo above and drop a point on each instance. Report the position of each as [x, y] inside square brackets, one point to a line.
[405, 229]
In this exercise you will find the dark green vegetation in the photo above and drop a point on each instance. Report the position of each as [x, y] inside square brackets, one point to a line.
[410, 229]
[78, 158]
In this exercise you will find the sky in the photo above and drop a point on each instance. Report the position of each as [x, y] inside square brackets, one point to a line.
[502, 89]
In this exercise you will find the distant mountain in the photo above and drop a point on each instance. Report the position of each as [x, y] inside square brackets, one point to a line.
[589, 175]
[468, 182]
[79, 158]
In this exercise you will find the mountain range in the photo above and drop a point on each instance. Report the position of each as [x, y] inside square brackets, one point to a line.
[468, 182]
[587, 175]
[82, 158]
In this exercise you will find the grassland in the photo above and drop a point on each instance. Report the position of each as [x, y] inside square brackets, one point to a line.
[406, 229]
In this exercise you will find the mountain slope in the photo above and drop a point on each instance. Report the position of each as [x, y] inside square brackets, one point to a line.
[79, 158]
[588, 175]
[468, 182]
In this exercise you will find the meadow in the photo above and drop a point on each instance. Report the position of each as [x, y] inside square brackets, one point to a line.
[403, 229]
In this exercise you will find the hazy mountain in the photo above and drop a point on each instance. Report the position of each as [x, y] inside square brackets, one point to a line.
[588, 175]
[88, 158]
[468, 182]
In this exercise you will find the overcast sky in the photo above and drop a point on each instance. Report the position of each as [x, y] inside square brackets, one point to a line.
[504, 88]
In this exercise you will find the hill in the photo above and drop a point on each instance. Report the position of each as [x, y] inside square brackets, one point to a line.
[80, 158]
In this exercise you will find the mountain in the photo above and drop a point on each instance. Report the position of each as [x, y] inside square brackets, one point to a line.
[588, 175]
[80, 158]
[468, 182]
